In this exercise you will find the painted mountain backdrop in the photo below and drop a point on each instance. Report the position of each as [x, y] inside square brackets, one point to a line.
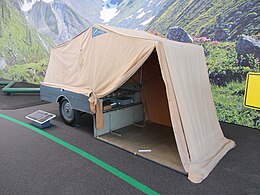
[229, 30]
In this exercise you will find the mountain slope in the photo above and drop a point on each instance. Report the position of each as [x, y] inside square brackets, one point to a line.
[137, 14]
[204, 17]
[87, 9]
[19, 41]
[57, 20]
[20, 44]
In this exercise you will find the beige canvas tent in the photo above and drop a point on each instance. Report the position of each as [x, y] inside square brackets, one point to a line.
[103, 58]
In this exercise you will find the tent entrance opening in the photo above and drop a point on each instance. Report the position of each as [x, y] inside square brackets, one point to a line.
[141, 100]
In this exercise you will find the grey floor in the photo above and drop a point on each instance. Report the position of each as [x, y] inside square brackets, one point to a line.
[32, 164]
[15, 101]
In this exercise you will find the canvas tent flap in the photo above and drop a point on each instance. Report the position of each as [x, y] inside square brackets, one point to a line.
[173, 108]
[198, 172]
[205, 140]
[99, 62]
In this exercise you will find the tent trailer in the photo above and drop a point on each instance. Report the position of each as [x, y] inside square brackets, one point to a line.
[148, 95]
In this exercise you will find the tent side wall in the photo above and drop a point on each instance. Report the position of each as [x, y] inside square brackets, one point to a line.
[204, 138]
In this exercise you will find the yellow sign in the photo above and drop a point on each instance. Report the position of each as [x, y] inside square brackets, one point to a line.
[252, 92]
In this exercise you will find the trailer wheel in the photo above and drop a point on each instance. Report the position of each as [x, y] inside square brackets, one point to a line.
[68, 115]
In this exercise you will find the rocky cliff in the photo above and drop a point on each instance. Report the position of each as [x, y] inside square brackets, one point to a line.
[219, 20]
[56, 19]
[88, 9]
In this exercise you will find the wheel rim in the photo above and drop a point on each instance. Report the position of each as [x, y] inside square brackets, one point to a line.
[67, 111]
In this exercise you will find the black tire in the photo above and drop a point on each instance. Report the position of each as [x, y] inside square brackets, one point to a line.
[68, 115]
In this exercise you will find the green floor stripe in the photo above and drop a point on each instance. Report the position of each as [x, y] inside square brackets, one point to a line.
[86, 155]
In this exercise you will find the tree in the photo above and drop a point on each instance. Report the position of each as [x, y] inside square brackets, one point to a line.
[1, 30]
[3, 12]
[26, 32]
[30, 38]
[9, 13]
